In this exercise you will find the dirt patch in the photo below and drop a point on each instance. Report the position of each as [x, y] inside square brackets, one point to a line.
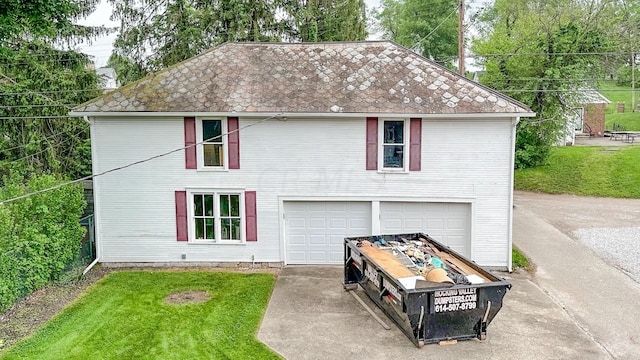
[189, 296]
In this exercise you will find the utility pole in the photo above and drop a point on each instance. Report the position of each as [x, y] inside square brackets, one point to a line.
[461, 37]
[633, 82]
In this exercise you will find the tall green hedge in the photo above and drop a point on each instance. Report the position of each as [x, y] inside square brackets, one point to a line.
[39, 235]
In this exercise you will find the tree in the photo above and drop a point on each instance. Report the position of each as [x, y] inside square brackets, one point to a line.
[156, 34]
[541, 54]
[45, 19]
[38, 86]
[326, 20]
[40, 83]
[428, 27]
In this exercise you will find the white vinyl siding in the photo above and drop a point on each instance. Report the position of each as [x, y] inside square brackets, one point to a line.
[312, 158]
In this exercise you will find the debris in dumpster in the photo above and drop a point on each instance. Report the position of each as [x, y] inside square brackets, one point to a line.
[431, 292]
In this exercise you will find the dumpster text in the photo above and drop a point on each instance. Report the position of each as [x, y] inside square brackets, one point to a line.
[455, 299]
[372, 275]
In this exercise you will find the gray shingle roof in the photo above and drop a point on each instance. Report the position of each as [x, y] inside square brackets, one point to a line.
[350, 77]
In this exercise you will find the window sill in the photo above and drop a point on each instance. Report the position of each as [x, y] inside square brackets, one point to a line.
[226, 242]
[393, 171]
[212, 169]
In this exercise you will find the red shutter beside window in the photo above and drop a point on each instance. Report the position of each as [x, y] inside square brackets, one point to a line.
[372, 143]
[415, 149]
[181, 216]
[190, 140]
[234, 143]
[250, 215]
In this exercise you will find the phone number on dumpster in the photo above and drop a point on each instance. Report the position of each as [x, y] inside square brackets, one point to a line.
[455, 300]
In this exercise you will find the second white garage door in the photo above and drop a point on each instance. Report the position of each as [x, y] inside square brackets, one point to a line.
[315, 230]
[448, 223]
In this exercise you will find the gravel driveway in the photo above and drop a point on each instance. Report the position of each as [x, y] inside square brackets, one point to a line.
[608, 226]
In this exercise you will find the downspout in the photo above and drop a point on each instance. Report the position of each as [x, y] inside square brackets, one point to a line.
[95, 227]
[93, 263]
[511, 182]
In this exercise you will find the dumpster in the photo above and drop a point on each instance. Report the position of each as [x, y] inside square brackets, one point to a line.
[431, 292]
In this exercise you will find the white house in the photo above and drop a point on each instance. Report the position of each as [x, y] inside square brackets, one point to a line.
[274, 152]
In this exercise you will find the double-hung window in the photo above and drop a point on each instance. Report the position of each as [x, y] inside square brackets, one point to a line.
[393, 135]
[213, 143]
[216, 216]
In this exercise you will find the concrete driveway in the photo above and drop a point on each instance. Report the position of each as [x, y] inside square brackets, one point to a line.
[576, 306]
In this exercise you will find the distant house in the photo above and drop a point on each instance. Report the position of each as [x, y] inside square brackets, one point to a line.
[108, 78]
[275, 152]
[587, 116]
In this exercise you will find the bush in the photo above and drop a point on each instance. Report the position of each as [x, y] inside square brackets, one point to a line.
[531, 149]
[39, 235]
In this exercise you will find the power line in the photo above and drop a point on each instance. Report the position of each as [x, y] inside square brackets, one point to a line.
[39, 117]
[47, 138]
[46, 148]
[92, 176]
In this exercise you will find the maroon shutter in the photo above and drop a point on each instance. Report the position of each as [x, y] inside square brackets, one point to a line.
[189, 143]
[250, 215]
[372, 143]
[415, 149]
[234, 143]
[181, 216]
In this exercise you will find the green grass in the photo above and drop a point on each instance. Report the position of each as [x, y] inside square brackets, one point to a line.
[616, 93]
[518, 260]
[583, 170]
[125, 317]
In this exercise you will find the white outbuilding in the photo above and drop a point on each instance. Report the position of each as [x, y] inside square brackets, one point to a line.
[274, 152]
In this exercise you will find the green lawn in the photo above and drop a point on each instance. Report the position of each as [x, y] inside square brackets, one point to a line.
[629, 119]
[581, 170]
[125, 317]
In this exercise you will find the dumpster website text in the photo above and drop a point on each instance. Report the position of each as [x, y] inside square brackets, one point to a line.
[455, 299]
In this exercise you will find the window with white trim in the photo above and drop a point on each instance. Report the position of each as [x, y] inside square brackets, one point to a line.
[216, 216]
[212, 149]
[393, 135]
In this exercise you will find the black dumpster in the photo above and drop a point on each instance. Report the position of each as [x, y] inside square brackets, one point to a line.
[398, 272]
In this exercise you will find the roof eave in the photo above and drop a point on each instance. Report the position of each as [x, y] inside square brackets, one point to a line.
[303, 114]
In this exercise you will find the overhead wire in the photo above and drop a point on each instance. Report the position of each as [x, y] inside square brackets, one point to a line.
[151, 158]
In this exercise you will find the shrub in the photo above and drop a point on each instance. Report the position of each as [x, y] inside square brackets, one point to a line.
[39, 234]
[531, 149]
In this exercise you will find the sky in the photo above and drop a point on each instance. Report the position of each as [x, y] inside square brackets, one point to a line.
[101, 48]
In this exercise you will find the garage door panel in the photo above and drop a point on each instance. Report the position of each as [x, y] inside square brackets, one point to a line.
[317, 223]
[448, 223]
[321, 242]
[298, 223]
[338, 223]
[336, 240]
[435, 224]
[298, 240]
[297, 255]
[456, 224]
[317, 257]
[359, 223]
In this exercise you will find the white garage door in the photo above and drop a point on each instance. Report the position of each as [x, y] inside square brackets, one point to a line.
[315, 230]
[448, 223]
